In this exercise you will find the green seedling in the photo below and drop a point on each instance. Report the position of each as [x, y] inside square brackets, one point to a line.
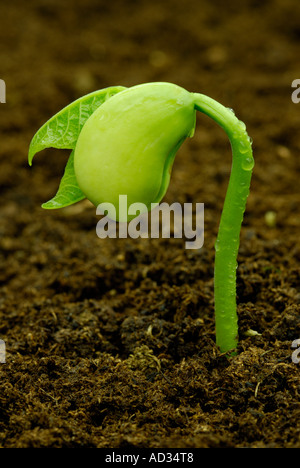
[124, 141]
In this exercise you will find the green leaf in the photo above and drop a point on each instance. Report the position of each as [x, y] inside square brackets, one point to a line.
[68, 192]
[63, 129]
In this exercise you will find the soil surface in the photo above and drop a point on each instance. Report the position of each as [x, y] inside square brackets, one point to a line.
[110, 343]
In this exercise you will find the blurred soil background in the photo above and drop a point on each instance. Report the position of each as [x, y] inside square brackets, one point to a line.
[110, 343]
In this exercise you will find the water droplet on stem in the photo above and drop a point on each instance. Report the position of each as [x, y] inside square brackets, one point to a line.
[248, 163]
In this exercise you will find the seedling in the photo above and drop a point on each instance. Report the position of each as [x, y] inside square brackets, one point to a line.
[124, 141]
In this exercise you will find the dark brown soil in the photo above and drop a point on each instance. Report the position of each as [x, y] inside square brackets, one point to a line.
[110, 343]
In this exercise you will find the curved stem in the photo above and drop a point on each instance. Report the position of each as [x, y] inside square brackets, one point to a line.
[228, 239]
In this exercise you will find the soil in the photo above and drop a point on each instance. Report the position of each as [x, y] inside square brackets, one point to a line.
[110, 343]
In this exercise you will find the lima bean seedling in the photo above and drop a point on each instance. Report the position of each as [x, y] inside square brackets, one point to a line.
[124, 141]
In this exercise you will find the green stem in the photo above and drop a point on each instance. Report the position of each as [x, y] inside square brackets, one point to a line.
[228, 240]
